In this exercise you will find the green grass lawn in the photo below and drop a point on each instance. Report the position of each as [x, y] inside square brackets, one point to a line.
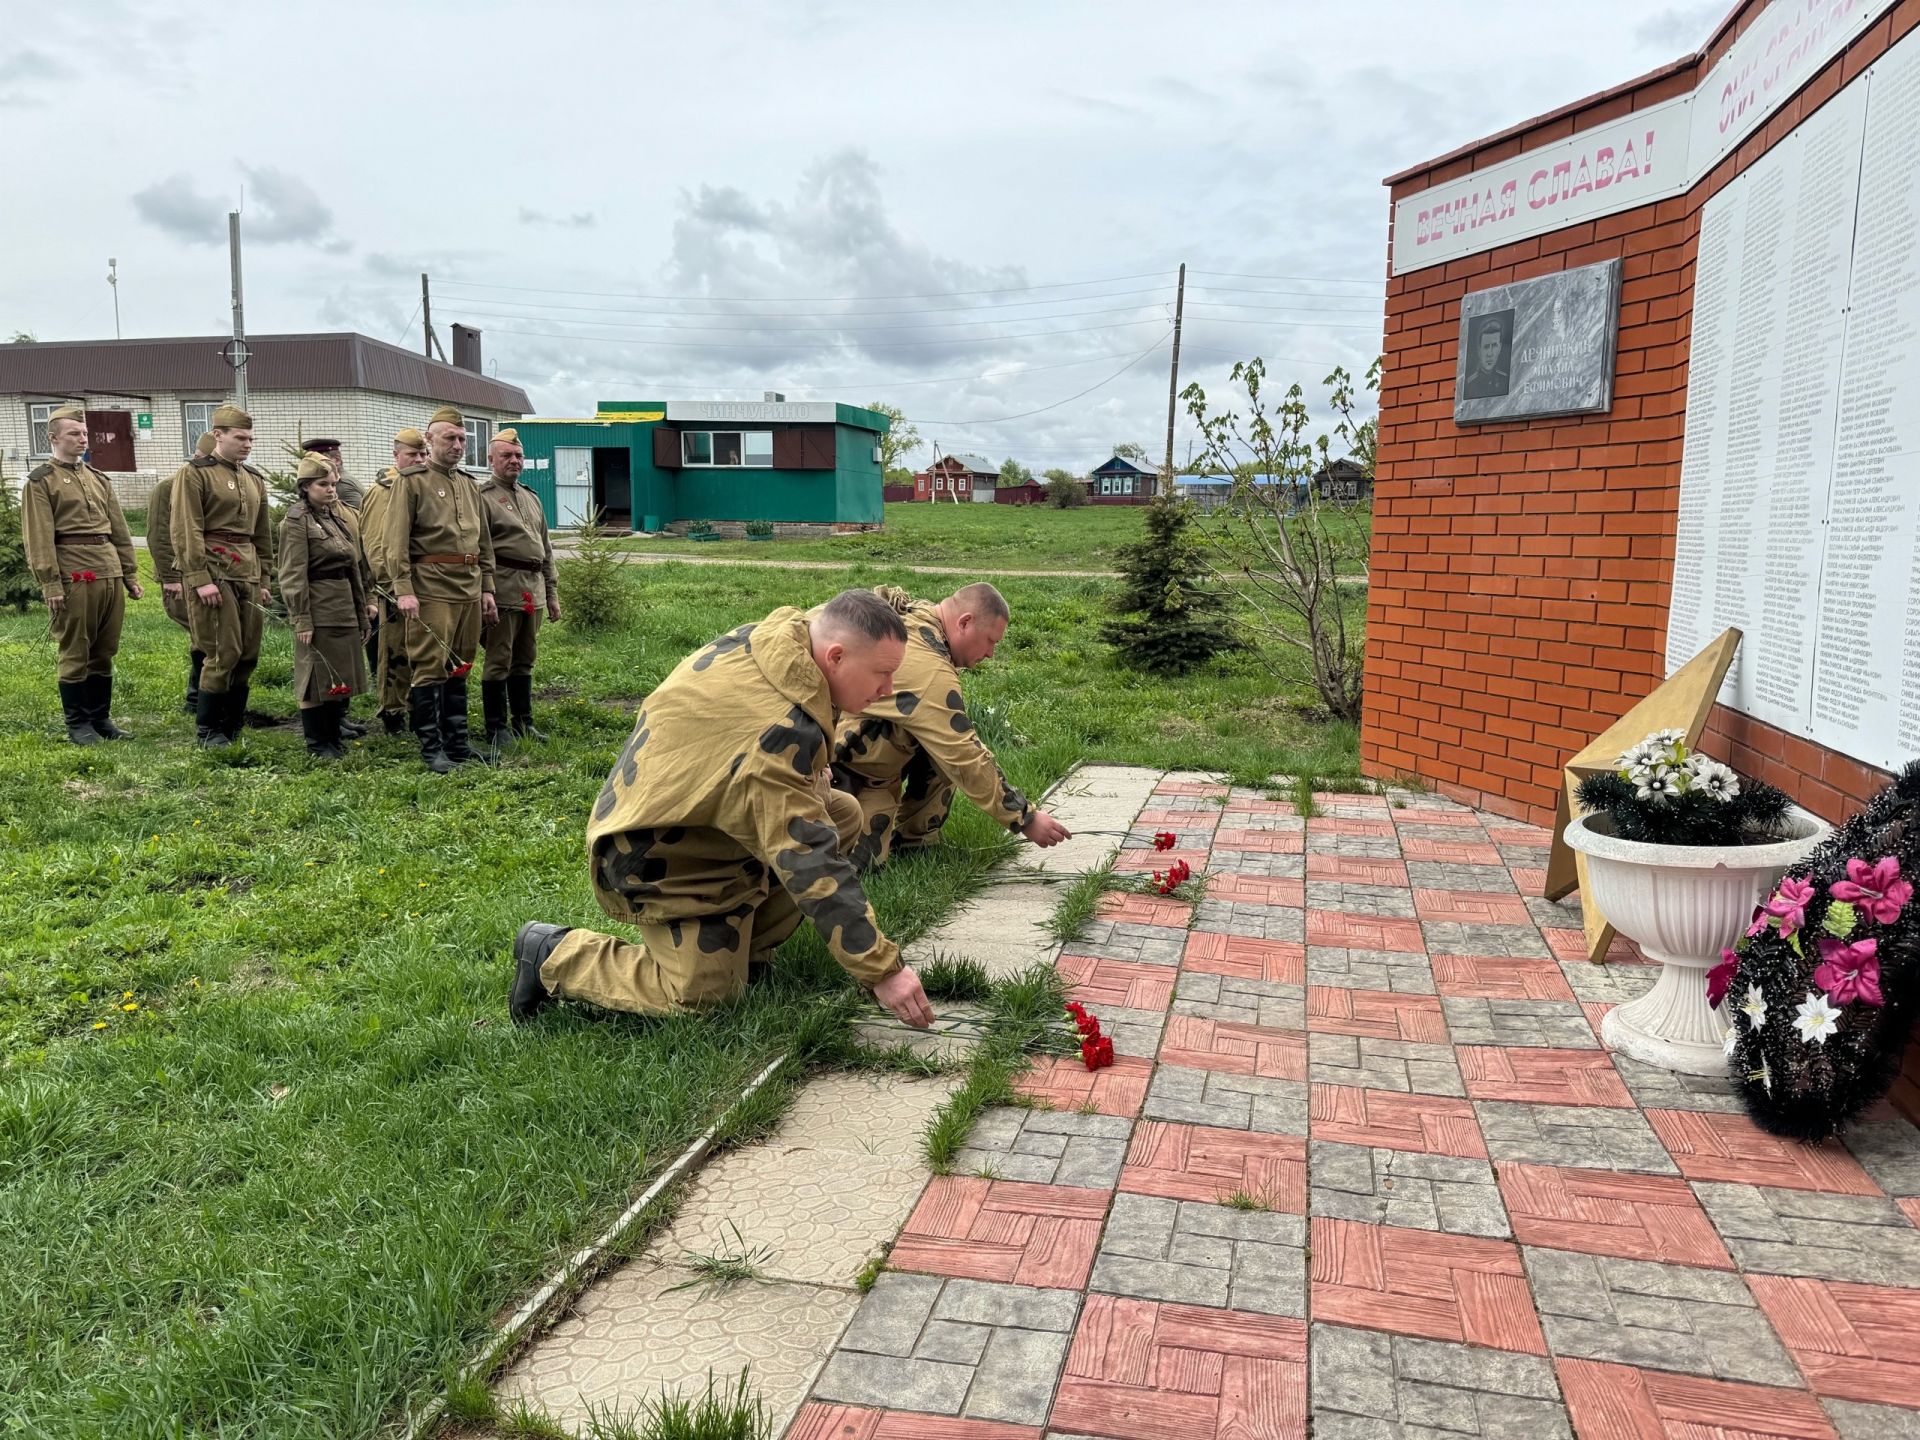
[271, 1157]
[996, 537]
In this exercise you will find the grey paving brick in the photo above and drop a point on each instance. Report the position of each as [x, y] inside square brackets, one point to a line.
[1551, 1023]
[1410, 828]
[1383, 1064]
[1015, 1378]
[1369, 970]
[1360, 847]
[1134, 1032]
[1396, 1387]
[1523, 857]
[1867, 1241]
[1259, 922]
[1445, 875]
[1889, 1151]
[1855, 1421]
[1399, 1187]
[1667, 1317]
[1196, 1254]
[1241, 1002]
[1554, 914]
[1394, 901]
[1611, 984]
[1141, 944]
[1231, 1102]
[1047, 1147]
[893, 1313]
[955, 1344]
[1578, 1136]
[888, 1382]
[1456, 937]
[1256, 862]
[987, 1302]
[1656, 1089]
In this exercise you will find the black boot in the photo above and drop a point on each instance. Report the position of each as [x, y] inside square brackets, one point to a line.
[530, 949]
[425, 703]
[195, 659]
[520, 704]
[319, 724]
[493, 710]
[100, 703]
[235, 720]
[74, 698]
[394, 720]
[453, 722]
[350, 729]
[210, 719]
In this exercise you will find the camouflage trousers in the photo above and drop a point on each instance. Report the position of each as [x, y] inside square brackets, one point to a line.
[907, 815]
[686, 963]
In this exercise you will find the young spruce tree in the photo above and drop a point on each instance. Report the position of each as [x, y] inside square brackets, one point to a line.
[17, 585]
[1172, 619]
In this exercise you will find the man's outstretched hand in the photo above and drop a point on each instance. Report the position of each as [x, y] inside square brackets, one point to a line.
[900, 992]
[1045, 831]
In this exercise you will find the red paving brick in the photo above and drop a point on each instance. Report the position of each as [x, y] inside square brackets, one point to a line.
[1618, 1402]
[1595, 1011]
[820, 1421]
[1381, 829]
[1733, 1148]
[1279, 961]
[1421, 1282]
[1327, 798]
[1449, 852]
[1472, 907]
[976, 1229]
[1144, 860]
[1427, 1124]
[1565, 944]
[1604, 1212]
[1260, 807]
[1130, 909]
[1459, 819]
[1095, 982]
[1853, 1342]
[1204, 789]
[1378, 1014]
[1353, 870]
[1256, 890]
[1177, 819]
[1139, 1370]
[1505, 834]
[1529, 880]
[1499, 977]
[1542, 1077]
[1910, 1207]
[1364, 932]
[1199, 1162]
[1234, 1048]
[1063, 1083]
[1260, 842]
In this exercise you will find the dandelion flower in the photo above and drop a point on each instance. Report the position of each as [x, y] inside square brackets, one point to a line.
[99, 1024]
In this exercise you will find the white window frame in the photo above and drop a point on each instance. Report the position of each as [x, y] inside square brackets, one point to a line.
[187, 427]
[479, 437]
[1106, 484]
[39, 446]
[711, 464]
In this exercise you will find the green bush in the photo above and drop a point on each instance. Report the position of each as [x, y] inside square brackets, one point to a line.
[17, 586]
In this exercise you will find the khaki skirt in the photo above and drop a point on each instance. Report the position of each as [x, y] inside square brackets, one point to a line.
[334, 658]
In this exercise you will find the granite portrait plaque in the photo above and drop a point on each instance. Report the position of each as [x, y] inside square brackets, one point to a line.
[1539, 347]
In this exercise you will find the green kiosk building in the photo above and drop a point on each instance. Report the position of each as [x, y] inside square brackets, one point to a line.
[656, 465]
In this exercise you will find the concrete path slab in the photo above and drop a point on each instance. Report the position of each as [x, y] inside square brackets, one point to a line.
[1001, 930]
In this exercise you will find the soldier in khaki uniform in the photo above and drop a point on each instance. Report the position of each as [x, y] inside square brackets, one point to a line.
[387, 649]
[166, 569]
[352, 493]
[904, 758]
[222, 543]
[714, 836]
[525, 583]
[323, 582]
[80, 550]
[439, 556]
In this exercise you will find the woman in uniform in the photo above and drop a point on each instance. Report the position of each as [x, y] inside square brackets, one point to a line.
[324, 585]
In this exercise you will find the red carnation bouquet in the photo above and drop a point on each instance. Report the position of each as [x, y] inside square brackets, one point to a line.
[1096, 1050]
[1165, 882]
[526, 601]
[1165, 839]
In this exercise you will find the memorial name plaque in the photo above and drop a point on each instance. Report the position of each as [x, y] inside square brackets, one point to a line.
[1539, 347]
[1799, 512]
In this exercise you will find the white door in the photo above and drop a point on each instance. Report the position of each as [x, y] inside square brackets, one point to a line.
[572, 485]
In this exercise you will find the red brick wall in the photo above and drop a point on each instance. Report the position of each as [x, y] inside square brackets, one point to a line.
[1522, 572]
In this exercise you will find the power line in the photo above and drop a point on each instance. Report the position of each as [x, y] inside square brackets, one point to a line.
[755, 324]
[822, 345]
[810, 299]
[1022, 415]
[1303, 279]
[401, 337]
[833, 314]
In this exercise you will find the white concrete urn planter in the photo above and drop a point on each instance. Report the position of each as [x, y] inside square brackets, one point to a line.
[1683, 904]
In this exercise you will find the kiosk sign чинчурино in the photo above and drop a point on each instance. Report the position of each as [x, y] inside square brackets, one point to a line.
[1539, 347]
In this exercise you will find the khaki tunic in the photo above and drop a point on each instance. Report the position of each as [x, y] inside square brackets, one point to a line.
[324, 588]
[351, 492]
[71, 525]
[904, 757]
[713, 838]
[222, 536]
[396, 674]
[166, 569]
[524, 575]
[437, 548]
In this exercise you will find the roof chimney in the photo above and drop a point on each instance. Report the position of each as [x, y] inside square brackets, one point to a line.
[466, 348]
[771, 397]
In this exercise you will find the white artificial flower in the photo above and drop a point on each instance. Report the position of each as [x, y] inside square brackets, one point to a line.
[1664, 738]
[1731, 1039]
[1657, 784]
[1754, 1007]
[1818, 1019]
[1716, 779]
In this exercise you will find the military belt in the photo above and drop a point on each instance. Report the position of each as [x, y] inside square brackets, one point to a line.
[342, 572]
[229, 537]
[82, 539]
[446, 559]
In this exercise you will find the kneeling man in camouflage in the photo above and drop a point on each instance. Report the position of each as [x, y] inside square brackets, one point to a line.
[717, 831]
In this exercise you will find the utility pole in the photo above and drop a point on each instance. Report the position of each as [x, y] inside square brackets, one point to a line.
[237, 356]
[113, 279]
[1173, 378]
[428, 340]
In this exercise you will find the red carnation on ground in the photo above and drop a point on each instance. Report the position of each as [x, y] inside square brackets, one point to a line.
[1097, 1054]
[1164, 840]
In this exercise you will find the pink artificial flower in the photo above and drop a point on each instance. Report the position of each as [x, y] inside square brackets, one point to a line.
[1849, 972]
[1789, 904]
[1720, 977]
[1877, 890]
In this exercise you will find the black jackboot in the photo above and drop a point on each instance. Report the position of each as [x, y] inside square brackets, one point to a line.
[493, 710]
[320, 724]
[210, 718]
[195, 659]
[453, 722]
[350, 729]
[425, 703]
[520, 705]
[74, 706]
[100, 704]
[235, 720]
[394, 720]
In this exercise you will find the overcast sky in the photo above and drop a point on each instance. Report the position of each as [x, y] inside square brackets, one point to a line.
[970, 210]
